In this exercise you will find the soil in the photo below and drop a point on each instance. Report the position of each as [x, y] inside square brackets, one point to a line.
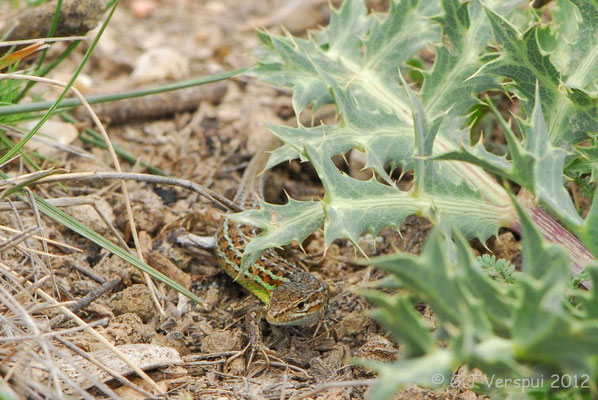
[154, 42]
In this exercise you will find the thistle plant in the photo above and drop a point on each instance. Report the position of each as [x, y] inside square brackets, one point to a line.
[358, 63]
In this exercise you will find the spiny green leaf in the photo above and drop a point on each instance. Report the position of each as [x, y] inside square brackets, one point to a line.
[337, 49]
[543, 328]
[438, 282]
[451, 83]
[571, 108]
[536, 164]
[291, 222]
[398, 315]
[585, 162]
[428, 371]
[354, 63]
[537, 332]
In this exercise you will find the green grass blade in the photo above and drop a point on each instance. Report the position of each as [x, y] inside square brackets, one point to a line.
[63, 218]
[70, 103]
[55, 104]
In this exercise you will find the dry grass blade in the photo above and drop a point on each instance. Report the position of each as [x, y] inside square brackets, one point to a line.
[9, 43]
[21, 330]
[50, 241]
[18, 238]
[153, 289]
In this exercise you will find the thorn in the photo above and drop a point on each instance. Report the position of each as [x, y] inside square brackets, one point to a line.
[302, 249]
[345, 158]
[357, 247]
[400, 234]
[287, 195]
[481, 140]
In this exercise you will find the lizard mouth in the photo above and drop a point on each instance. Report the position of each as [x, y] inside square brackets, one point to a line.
[296, 320]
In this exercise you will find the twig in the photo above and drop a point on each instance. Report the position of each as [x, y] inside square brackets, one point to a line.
[213, 196]
[329, 385]
[19, 310]
[54, 242]
[87, 299]
[57, 202]
[18, 238]
[153, 288]
[89, 330]
[159, 105]
[89, 273]
[38, 221]
[103, 321]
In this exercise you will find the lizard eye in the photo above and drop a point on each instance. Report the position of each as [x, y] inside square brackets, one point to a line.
[301, 305]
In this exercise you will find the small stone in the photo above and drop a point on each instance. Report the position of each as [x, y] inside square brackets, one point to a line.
[82, 287]
[128, 329]
[351, 324]
[159, 64]
[219, 342]
[51, 138]
[142, 8]
[134, 299]
[176, 340]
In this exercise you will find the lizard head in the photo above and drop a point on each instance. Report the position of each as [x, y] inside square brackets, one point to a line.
[299, 302]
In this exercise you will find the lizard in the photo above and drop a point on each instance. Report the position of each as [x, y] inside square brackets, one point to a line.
[291, 296]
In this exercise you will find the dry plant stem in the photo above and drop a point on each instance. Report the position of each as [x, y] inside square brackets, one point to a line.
[150, 284]
[216, 198]
[9, 161]
[32, 255]
[17, 309]
[31, 288]
[50, 241]
[68, 331]
[38, 221]
[33, 251]
[87, 299]
[10, 43]
[97, 336]
[159, 105]
[16, 239]
[20, 133]
[330, 385]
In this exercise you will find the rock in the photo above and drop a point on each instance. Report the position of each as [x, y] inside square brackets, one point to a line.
[128, 329]
[135, 299]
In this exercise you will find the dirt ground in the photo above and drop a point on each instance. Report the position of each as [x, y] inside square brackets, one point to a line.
[154, 42]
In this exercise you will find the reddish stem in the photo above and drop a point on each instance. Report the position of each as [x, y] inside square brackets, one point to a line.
[579, 256]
